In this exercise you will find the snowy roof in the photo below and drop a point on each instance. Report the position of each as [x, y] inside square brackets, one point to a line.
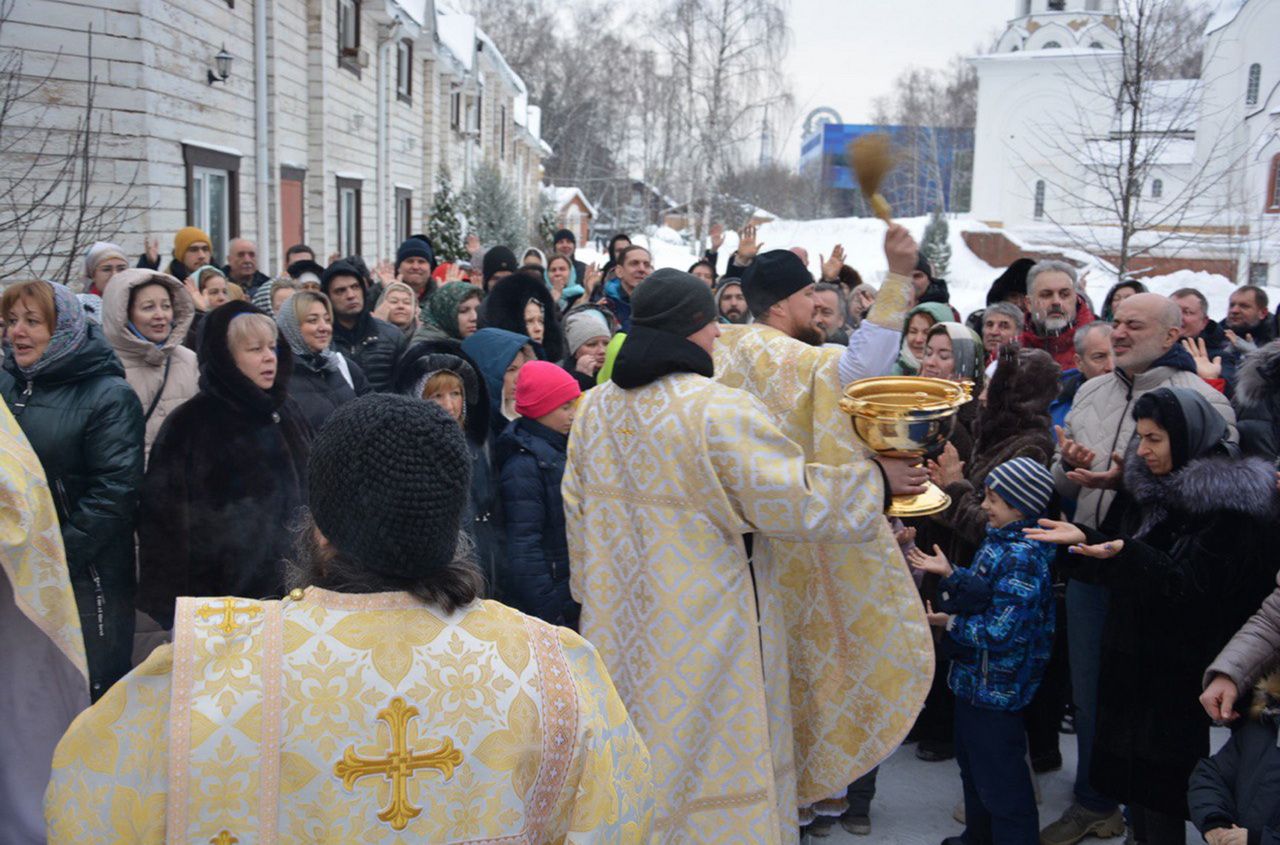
[415, 9]
[458, 35]
[1045, 55]
[498, 58]
[1224, 14]
[1170, 107]
[560, 197]
[534, 116]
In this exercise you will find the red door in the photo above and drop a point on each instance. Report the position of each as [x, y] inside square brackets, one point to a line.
[291, 228]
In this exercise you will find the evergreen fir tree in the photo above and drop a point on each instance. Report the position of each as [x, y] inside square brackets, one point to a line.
[494, 211]
[445, 224]
[935, 246]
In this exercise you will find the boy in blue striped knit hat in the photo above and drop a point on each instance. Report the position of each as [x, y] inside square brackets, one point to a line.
[998, 615]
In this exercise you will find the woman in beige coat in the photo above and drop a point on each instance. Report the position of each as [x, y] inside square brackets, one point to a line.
[145, 316]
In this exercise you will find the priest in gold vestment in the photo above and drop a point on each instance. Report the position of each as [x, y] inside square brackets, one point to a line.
[858, 643]
[42, 659]
[668, 471]
[382, 702]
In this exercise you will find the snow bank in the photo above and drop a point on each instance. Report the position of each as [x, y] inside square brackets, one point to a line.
[1217, 289]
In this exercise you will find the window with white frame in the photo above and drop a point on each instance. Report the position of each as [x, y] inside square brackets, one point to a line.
[348, 216]
[404, 213]
[213, 187]
[1255, 82]
[1039, 206]
[404, 70]
[349, 35]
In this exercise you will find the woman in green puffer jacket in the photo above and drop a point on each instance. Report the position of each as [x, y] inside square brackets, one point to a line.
[66, 388]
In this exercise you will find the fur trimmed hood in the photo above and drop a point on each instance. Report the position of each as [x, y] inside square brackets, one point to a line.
[504, 308]
[1259, 375]
[1266, 698]
[1206, 485]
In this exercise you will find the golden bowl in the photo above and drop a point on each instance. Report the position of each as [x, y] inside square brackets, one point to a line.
[902, 416]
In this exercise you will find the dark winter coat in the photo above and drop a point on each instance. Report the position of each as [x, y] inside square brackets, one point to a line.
[1062, 345]
[319, 392]
[227, 476]
[493, 350]
[530, 460]
[618, 301]
[1240, 785]
[1257, 402]
[1068, 385]
[259, 279]
[504, 308]
[375, 345]
[85, 424]
[482, 517]
[1014, 424]
[1218, 346]
[1198, 560]
[1001, 632]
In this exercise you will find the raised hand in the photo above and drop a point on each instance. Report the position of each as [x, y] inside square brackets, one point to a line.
[593, 275]
[385, 271]
[717, 236]
[202, 301]
[831, 266]
[1107, 479]
[1206, 367]
[937, 620]
[1058, 533]
[900, 249]
[454, 273]
[936, 563]
[748, 247]
[1074, 454]
[152, 247]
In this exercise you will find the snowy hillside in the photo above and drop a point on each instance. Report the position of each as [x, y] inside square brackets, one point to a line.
[968, 276]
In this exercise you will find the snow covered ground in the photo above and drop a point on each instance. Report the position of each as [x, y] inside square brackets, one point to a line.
[968, 276]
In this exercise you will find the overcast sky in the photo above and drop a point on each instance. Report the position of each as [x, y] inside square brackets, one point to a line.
[844, 53]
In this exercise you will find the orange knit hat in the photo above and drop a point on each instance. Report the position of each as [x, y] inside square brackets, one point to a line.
[187, 236]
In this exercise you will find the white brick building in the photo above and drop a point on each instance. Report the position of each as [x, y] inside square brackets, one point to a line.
[330, 129]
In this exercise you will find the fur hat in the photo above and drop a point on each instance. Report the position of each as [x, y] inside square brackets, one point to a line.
[504, 308]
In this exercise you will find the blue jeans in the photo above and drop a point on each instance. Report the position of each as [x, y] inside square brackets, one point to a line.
[1086, 615]
[999, 800]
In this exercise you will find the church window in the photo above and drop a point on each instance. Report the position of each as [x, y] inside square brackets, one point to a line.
[1095, 45]
[1039, 209]
[1255, 80]
[1051, 45]
[1273, 185]
[1057, 5]
[1157, 188]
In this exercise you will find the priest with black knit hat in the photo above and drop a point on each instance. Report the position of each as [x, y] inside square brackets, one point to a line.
[780, 360]
[430, 695]
[668, 470]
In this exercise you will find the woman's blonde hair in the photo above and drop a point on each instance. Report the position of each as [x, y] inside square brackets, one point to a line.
[234, 291]
[246, 327]
[36, 294]
[304, 299]
[441, 380]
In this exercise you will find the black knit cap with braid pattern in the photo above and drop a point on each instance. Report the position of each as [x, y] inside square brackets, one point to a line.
[390, 477]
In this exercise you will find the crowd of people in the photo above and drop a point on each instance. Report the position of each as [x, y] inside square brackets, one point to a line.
[1103, 569]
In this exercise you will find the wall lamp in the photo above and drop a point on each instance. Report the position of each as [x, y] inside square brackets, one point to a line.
[223, 61]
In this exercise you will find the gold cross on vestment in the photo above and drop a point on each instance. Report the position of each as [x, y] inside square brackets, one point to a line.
[399, 765]
[224, 838]
[228, 612]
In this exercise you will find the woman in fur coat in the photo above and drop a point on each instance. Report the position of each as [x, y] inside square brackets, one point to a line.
[228, 472]
[522, 303]
[1186, 552]
[1257, 402]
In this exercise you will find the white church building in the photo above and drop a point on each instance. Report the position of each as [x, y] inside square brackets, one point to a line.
[1050, 138]
[325, 122]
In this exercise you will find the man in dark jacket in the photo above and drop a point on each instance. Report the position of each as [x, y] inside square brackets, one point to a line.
[635, 263]
[1198, 328]
[373, 344]
[242, 266]
[566, 244]
[415, 262]
[1247, 316]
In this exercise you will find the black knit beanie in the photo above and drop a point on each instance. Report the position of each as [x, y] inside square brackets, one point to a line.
[415, 247]
[564, 235]
[772, 277]
[497, 259]
[673, 302]
[389, 478]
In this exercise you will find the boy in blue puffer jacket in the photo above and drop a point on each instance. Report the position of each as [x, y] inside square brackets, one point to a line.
[998, 614]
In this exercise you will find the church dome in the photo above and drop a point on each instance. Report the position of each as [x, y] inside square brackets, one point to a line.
[1061, 24]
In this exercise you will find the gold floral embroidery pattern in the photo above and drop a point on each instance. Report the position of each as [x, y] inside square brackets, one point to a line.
[400, 765]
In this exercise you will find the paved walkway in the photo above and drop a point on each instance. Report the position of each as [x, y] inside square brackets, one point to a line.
[914, 800]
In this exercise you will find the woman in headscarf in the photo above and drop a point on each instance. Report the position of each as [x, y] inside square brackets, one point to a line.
[915, 331]
[102, 261]
[67, 389]
[398, 305]
[522, 303]
[453, 311]
[269, 295]
[145, 317]
[562, 279]
[209, 289]
[323, 379]
[440, 371]
[227, 474]
[1187, 550]
[534, 257]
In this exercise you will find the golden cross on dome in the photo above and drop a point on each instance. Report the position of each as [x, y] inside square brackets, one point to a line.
[228, 612]
[224, 838]
[399, 765]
